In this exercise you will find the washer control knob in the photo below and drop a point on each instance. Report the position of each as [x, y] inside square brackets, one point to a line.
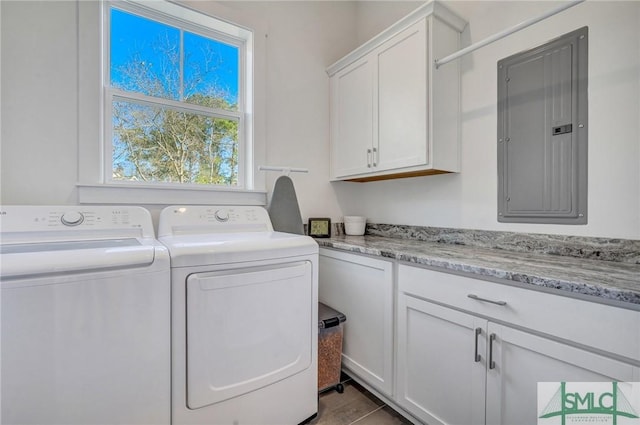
[222, 215]
[72, 218]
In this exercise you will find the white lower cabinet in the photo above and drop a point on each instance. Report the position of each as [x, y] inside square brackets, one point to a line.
[438, 380]
[523, 359]
[362, 289]
[457, 350]
[457, 367]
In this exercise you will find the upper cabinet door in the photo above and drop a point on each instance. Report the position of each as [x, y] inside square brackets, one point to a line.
[402, 99]
[393, 114]
[352, 118]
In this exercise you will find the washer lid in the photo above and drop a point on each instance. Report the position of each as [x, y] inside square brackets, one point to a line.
[28, 259]
[224, 248]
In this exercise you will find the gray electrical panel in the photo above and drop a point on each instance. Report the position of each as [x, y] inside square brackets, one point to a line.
[542, 133]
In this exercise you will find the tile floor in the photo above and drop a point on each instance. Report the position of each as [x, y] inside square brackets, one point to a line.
[355, 406]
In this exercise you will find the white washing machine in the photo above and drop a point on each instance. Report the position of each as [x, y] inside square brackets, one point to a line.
[244, 317]
[85, 295]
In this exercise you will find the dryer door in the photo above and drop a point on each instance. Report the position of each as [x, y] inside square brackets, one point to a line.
[246, 328]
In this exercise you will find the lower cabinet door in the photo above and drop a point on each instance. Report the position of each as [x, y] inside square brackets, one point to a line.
[362, 289]
[522, 359]
[441, 363]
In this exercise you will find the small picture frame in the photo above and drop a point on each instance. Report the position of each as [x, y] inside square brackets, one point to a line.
[319, 227]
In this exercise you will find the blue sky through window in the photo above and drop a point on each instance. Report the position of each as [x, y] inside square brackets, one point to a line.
[160, 141]
[145, 58]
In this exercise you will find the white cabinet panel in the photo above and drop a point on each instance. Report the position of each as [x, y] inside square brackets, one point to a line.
[559, 339]
[362, 289]
[414, 125]
[462, 360]
[615, 330]
[352, 114]
[402, 99]
[439, 379]
[523, 359]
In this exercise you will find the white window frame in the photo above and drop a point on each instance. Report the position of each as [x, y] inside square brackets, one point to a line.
[175, 16]
[95, 163]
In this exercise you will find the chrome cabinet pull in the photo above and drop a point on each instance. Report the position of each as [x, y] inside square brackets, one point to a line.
[477, 298]
[375, 157]
[369, 158]
[492, 364]
[477, 357]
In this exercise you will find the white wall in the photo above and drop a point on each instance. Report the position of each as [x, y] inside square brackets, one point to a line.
[373, 17]
[39, 78]
[469, 199]
[39, 102]
[42, 135]
[304, 37]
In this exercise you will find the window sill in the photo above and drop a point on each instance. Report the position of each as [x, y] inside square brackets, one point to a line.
[165, 195]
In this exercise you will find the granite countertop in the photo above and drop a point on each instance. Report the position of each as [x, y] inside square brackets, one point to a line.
[614, 282]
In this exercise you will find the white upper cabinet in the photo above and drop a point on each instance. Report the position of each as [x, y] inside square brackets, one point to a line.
[352, 117]
[393, 114]
[402, 99]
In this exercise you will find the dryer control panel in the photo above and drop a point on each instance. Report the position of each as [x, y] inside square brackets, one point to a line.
[213, 219]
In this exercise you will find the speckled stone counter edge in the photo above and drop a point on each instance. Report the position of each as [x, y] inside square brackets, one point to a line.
[620, 250]
[606, 282]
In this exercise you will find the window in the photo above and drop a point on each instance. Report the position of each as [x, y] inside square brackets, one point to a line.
[175, 97]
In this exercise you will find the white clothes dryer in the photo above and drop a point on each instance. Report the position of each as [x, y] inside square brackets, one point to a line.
[85, 316]
[244, 317]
